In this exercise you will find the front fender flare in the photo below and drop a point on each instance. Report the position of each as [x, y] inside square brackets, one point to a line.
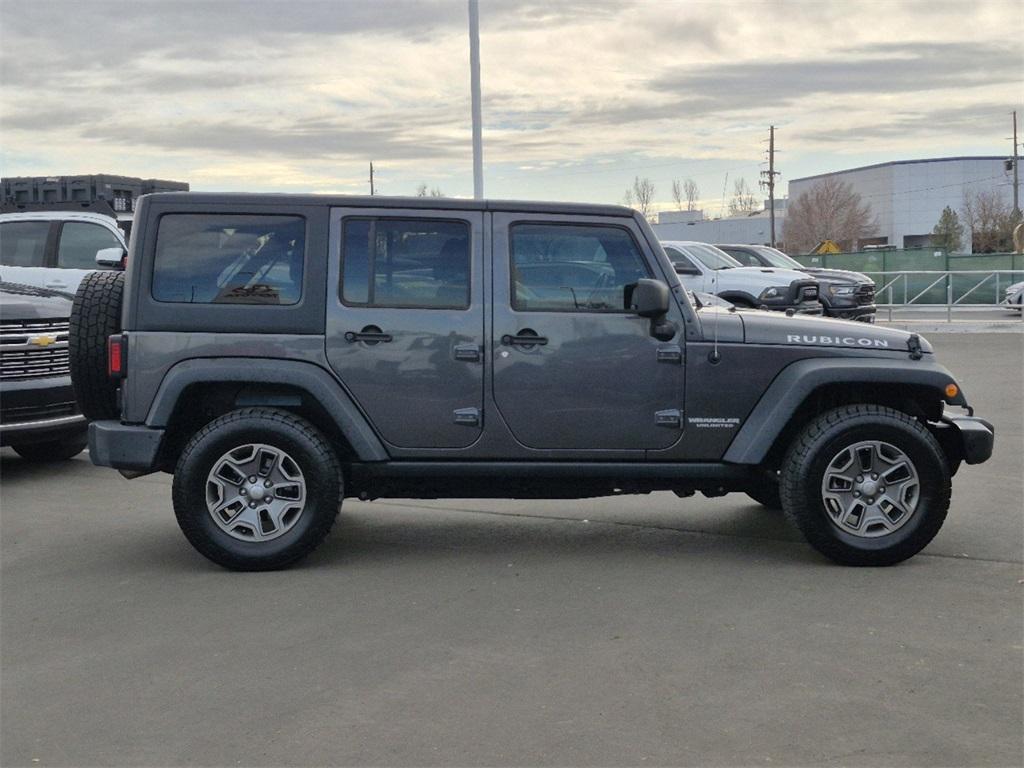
[798, 380]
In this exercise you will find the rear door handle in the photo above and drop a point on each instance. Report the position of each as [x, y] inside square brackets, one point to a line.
[371, 334]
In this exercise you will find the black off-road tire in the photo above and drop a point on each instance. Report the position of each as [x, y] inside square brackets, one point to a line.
[52, 450]
[807, 459]
[95, 315]
[284, 431]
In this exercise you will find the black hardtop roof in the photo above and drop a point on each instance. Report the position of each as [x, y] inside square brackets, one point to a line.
[385, 201]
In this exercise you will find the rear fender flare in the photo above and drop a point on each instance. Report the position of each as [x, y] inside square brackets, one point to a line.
[310, 378]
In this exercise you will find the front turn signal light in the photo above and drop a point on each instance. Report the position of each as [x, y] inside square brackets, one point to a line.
[952, 390]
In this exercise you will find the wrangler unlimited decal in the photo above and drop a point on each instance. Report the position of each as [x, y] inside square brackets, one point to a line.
[846, 341]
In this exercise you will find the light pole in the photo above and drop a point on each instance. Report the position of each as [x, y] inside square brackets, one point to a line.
[474, 84]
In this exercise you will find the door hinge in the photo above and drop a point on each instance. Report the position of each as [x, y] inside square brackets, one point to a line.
[467, 417]
[670, 353]
[671, 418]
[470, 353]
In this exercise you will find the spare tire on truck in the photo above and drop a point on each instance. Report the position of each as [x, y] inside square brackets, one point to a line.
[95, 315]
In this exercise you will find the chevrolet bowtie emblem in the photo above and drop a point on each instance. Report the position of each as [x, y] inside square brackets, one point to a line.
[43, 340]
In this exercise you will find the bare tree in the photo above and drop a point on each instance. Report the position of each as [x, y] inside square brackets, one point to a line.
[743, 199]
[422, 191]
[692, 193]
[686, 190]
[677, 194]
[641, 196]
[990, 221]
[830, 210]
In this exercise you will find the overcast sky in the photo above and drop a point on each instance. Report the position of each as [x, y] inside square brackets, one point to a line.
[579, 97]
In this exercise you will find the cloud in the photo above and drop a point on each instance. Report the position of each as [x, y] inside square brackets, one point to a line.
[579, 96]
[879, 69]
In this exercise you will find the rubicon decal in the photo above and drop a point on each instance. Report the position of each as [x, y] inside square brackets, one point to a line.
[842, 341]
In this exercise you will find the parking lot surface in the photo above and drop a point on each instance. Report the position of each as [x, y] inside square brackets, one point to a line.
[641, 630]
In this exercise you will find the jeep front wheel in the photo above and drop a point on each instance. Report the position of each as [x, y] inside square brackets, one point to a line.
[257, 489]
[866, 485]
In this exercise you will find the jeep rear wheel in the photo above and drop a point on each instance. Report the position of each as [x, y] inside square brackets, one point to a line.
[257, 489]
[866, 485]
[95, 316]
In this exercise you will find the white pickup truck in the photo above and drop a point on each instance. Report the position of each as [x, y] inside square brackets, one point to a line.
[705, 268]
[55, 249]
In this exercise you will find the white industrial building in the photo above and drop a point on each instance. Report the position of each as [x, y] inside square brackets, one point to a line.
[752, 229]
[907, 196]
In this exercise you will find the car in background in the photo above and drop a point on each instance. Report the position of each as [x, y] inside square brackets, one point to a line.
[843, 294]
[39, 417]
[705, 268]
[54, 248]
[1013, 297]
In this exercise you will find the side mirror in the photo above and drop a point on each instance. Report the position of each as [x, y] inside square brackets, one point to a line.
[685, 269]
[650, 298]
[110, 257]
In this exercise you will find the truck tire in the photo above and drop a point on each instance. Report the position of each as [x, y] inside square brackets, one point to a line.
[95, 315]
[257, 489]
[866, 485]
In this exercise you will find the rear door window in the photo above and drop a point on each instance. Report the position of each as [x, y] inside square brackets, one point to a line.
[23, 243]
[413, 263]
[229, 259]
[79, 242]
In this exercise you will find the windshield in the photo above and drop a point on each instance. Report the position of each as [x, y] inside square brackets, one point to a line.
[777, 258]
[711, 257]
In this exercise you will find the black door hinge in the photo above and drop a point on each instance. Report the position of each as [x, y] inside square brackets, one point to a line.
[467, 417]
[670, 353]
[670, 418]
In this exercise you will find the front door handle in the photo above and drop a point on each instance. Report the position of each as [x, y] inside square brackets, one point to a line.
[525, 338]
[371, 334]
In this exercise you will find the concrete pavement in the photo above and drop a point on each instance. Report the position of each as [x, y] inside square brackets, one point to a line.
[629, 631]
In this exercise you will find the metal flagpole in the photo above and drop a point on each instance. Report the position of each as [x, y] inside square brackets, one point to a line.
[474, 67]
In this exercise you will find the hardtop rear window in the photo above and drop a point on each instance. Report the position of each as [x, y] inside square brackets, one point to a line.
[229, 259]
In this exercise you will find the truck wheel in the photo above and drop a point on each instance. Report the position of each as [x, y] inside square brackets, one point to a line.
[52, 450]
[257, 489]
[95, 315]
[866, 485]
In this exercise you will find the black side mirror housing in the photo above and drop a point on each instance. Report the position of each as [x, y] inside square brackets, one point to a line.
[650, 298]
[684, 269]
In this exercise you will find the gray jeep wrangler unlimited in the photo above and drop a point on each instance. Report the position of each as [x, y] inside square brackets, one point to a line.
[278, 354]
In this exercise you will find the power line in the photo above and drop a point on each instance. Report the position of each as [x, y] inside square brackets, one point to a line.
[926, 189]
[620, 169]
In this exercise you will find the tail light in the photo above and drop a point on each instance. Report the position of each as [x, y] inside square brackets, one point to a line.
[117, 356]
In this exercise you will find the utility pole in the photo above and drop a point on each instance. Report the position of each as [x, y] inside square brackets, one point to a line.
[474, 84]
[769, 180]
[1016, 174]
[371, 178]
